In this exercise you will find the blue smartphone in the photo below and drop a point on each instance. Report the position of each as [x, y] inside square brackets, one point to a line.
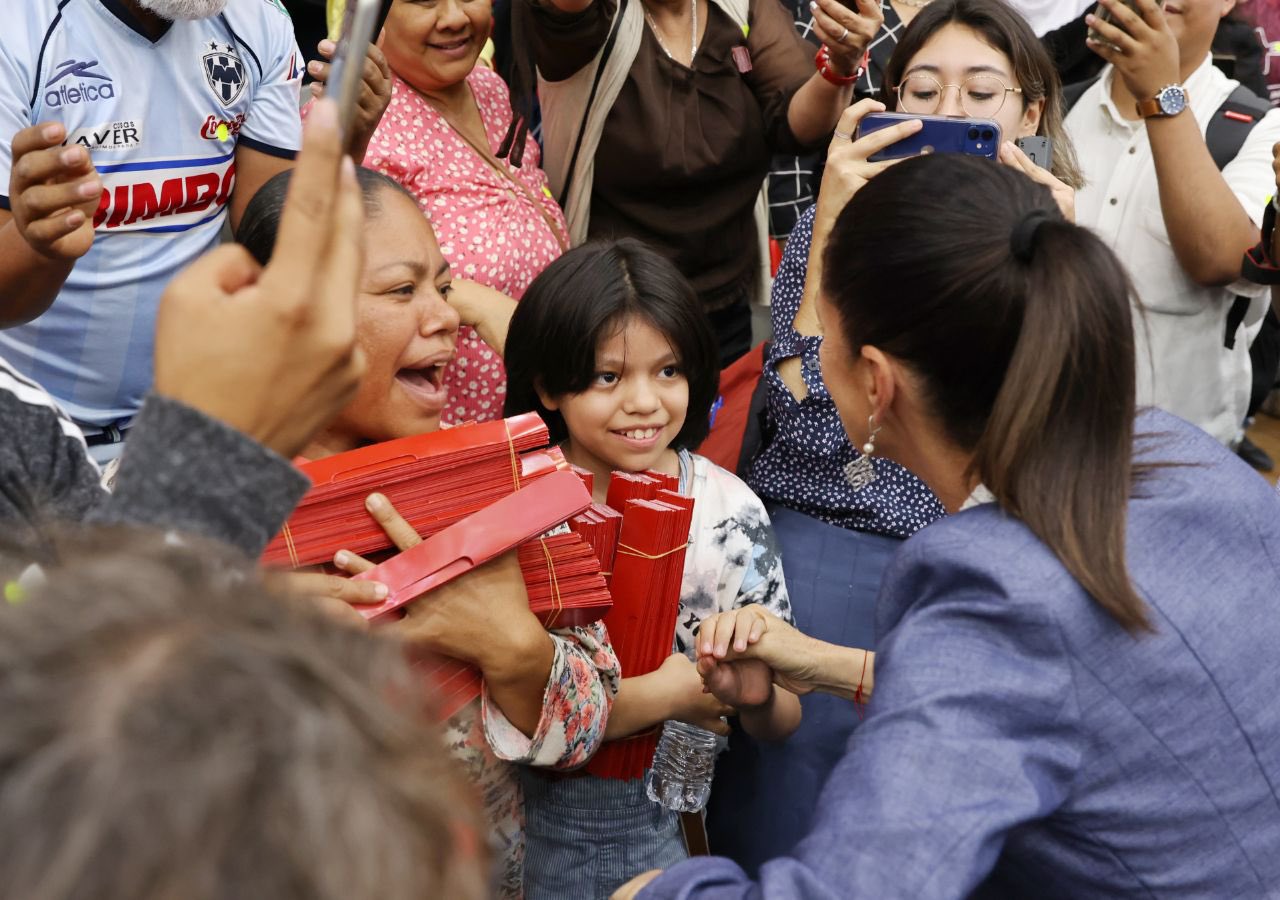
[940, 134]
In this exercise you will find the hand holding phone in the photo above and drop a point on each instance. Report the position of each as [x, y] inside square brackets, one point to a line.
[938, 134]
[1135, 37]
[1105, 15]
[347, 71]
[1039, 149]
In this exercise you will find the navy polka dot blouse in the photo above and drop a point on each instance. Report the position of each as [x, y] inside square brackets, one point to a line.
[801, 465]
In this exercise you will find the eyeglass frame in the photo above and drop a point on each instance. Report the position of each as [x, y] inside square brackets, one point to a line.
[942, 89]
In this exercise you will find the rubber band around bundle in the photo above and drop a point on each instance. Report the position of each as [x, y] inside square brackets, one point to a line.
[555, 584]
[288, 543]
[632, 551]
[515, 460]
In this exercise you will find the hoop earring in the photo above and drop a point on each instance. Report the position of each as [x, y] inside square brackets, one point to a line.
[861, 472]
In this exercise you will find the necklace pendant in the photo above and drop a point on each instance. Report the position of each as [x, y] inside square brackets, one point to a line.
[742, 58]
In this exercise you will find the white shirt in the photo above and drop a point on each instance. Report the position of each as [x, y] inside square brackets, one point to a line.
[1045, 15]
[161, 117]
[1183, 365]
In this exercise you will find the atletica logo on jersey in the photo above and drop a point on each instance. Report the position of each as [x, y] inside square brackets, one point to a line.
[88, 86]
[224, 71]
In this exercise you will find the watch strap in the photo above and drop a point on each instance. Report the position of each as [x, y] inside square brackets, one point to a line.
[1149, 107]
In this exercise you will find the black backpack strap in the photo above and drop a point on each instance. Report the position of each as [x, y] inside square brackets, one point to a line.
[1071, 93]
[1225, 135]
[1231, 123]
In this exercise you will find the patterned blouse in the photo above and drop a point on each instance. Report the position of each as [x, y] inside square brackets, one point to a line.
[580, 691]
[732, 558]
[492, 229]
[801, 464]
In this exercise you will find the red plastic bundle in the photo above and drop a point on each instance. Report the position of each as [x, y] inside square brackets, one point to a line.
[561, 572]
[562, 575]
[599, 527]
[647, 575]
[433, 480]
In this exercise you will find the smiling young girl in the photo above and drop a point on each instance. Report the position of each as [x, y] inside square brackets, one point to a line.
[611, 346]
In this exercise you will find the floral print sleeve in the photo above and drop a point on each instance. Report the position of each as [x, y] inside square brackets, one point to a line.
[733, 557]
[575, 705]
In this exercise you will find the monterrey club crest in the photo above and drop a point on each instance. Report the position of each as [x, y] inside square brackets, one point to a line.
[224, 71]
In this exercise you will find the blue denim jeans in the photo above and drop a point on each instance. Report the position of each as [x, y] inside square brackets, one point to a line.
[587, 836]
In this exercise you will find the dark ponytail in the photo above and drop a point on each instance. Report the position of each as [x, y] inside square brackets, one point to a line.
[1026, 358]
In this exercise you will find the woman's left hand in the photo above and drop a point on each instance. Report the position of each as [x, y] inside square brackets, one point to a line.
[1063, 194]
[375, 92]
[633, 887]
[846, 32]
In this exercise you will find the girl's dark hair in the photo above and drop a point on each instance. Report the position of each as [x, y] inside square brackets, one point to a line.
[1001, 26]
[1026, 360]
[582, 299]
[260, 223]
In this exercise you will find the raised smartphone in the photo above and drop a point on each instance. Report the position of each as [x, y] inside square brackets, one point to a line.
[361, 19]
[1038, 148]
[1105, 15]
[940, 134]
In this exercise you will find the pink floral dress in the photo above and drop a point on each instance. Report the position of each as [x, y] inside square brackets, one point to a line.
[492, 230]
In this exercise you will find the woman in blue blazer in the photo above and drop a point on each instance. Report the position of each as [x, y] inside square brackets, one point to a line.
[1077, 689]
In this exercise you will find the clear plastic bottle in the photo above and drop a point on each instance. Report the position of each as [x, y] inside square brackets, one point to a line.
[680, 778]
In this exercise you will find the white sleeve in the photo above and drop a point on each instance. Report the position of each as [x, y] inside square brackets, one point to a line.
[15, 100]
[274, 124]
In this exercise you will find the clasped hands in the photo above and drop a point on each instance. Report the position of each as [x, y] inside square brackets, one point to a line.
[744, 653]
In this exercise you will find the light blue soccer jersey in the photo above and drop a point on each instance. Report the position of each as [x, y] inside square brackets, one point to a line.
[162, 120]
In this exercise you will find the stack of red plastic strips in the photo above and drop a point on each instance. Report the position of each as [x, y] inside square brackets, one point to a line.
[433, 480]
[648, 568]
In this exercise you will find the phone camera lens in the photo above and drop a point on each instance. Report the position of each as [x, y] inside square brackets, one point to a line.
[973, 134]
[987, 134]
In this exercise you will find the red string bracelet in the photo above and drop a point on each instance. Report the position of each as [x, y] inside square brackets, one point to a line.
[859, 702]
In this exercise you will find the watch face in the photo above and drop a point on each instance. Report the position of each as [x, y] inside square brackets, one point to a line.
[1173, 100]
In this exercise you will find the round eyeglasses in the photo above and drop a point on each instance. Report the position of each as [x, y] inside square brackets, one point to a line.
[981, 96]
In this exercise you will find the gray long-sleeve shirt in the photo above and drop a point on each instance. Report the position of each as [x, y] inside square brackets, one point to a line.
[181, 470]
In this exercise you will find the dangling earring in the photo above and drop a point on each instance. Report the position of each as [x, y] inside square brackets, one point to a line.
[861, 472]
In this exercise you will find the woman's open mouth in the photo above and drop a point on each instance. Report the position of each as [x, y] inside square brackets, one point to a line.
[424, 383]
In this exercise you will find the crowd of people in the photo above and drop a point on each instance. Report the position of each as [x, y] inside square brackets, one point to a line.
[988, 607]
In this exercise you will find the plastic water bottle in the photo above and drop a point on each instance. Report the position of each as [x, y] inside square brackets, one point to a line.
[680, 778]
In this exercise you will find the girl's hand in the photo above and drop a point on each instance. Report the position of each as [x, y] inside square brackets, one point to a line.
[690, 703]
[846, 32]
[742, 683]
[848, 168]
[1064, 195]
